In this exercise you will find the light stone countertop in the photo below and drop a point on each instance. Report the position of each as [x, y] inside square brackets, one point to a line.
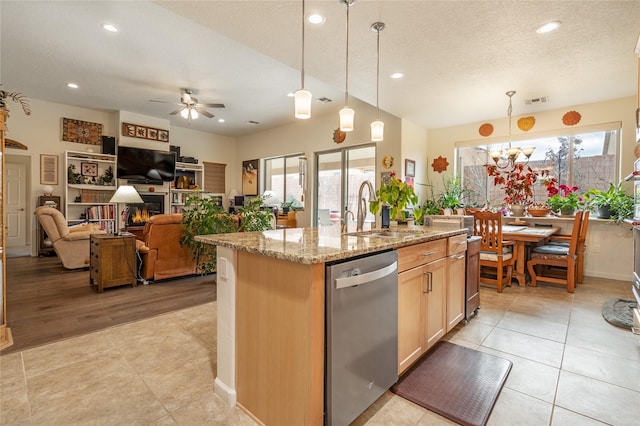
[326, 244]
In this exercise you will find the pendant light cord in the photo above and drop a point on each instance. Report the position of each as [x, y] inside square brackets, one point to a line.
[346, 88]
[378, 75]
[302, 70]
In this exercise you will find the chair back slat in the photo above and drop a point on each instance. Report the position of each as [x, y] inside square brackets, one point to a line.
[575, 233]
[488, 226]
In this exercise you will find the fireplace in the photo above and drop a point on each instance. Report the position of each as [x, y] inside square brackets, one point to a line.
[139, 214]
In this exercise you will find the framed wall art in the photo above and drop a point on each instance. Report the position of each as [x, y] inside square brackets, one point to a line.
[144, 132]
[89, 169]
[48, 169]
[409, 168]
[250, 177]
[81, 131]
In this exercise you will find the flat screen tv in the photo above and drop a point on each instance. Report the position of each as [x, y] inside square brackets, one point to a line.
[139, 165]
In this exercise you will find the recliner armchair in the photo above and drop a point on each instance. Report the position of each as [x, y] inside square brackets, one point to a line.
[70, 244]
[161, 253]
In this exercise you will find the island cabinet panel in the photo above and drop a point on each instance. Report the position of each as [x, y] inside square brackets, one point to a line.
[456, 273]
[421, 303]
[280, 340]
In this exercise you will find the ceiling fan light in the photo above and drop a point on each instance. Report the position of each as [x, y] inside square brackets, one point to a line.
[194, 114]
[302, 99]
[377, 131]
[346, 119]
[184, 113]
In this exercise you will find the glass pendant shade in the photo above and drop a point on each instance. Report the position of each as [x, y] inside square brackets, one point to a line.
[302, 100]
[184, 113]
[346, 119]
[377, 131]
[194, 114]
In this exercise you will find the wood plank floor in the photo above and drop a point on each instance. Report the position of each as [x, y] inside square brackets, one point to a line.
[46, 303]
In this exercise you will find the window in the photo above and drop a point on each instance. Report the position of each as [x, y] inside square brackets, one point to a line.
[586, 160]
[281, 177]
[339, 174]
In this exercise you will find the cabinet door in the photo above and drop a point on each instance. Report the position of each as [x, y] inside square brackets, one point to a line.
[411, 316]
[436, 296]
[455, 290]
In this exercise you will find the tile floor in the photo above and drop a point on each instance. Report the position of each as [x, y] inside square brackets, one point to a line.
[570, 367]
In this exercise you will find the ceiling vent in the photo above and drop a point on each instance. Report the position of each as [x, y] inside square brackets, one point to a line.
[324, 100]
[540, 100]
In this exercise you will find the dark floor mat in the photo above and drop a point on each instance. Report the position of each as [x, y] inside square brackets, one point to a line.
[458, 383]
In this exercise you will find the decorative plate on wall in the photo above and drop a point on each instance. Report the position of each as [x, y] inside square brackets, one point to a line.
[440, 164]
[339, 136]
[571, 118]
[387, 161]
[526, 123]
[486, 129]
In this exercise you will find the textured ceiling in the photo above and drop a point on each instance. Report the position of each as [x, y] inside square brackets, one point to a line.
[459, 57]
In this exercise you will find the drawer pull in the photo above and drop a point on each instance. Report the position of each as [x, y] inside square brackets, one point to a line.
[427, 253]
[461, 242]
[461, 256]
[429, 283]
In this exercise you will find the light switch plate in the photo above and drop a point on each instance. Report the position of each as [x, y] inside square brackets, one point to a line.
[222, 267]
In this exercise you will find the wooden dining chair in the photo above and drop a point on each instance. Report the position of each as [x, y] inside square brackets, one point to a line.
[494, 252]
[564, 240]
[558, 256]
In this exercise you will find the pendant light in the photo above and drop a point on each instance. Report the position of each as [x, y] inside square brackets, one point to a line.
[302, 98]
[346, 113]
[377, 127]
[506, 159]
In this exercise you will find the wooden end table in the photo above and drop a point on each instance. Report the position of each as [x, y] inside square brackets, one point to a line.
[113, 260]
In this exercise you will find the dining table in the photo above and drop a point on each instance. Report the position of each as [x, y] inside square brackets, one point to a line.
[522, 235]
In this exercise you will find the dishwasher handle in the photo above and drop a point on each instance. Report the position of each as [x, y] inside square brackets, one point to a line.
[368, 277]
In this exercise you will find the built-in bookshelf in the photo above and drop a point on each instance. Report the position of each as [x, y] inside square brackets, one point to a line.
[91, 182]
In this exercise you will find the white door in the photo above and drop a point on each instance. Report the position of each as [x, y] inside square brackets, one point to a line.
[16, 202]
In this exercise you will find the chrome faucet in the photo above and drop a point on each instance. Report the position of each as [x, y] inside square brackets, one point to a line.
[344, 220]
[362, 203]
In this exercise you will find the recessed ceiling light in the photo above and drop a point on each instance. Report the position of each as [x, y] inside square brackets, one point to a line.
[110, 27]
[72, 85]
[315, 18]
[397, 75]
[220, 120]
[548, 27]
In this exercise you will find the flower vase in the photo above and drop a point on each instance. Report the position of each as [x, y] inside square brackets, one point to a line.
[569, 211]
[517, 210]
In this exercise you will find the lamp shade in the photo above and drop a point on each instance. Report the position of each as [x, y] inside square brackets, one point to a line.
[184, 113]
[302, 99]
[346, 119]
[377, 131]
[126, 194]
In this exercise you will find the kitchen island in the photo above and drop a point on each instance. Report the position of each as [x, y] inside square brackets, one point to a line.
[271, 313]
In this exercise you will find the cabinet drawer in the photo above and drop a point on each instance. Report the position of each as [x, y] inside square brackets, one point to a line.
[419, 254]
[457, 244]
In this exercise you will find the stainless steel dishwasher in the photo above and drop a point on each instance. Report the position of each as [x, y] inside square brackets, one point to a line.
[362, 334]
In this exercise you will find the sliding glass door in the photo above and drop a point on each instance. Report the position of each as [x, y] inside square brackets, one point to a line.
[339, 174]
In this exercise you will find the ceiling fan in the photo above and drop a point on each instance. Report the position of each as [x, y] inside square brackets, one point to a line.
[190, 108]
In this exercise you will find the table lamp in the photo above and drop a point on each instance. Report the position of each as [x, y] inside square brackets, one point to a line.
[126, 194]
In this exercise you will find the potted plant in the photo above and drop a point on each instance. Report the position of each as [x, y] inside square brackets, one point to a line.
[612, 204]
[286, 206]
[451, 197]
[203, 216]
[517, 184]
[564, 199]
[255, 215]
[395, 194]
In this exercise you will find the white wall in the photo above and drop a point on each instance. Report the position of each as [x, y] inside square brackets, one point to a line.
[316, 135]
[41, 132]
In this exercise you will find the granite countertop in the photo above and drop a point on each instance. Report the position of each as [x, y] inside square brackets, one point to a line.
[325, 244]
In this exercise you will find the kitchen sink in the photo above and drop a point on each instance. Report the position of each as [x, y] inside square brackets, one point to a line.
[387, 233]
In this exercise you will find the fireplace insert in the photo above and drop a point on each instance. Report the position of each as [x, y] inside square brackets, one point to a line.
[139, 214]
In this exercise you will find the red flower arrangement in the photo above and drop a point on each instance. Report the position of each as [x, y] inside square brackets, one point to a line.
[517, 182]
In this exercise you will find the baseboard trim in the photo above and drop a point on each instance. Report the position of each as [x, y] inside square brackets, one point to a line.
[227, 394]
[6, 339]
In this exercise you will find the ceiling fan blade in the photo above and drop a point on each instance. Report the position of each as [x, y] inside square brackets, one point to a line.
[205, 113]
[211, 105]
[176, 111]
